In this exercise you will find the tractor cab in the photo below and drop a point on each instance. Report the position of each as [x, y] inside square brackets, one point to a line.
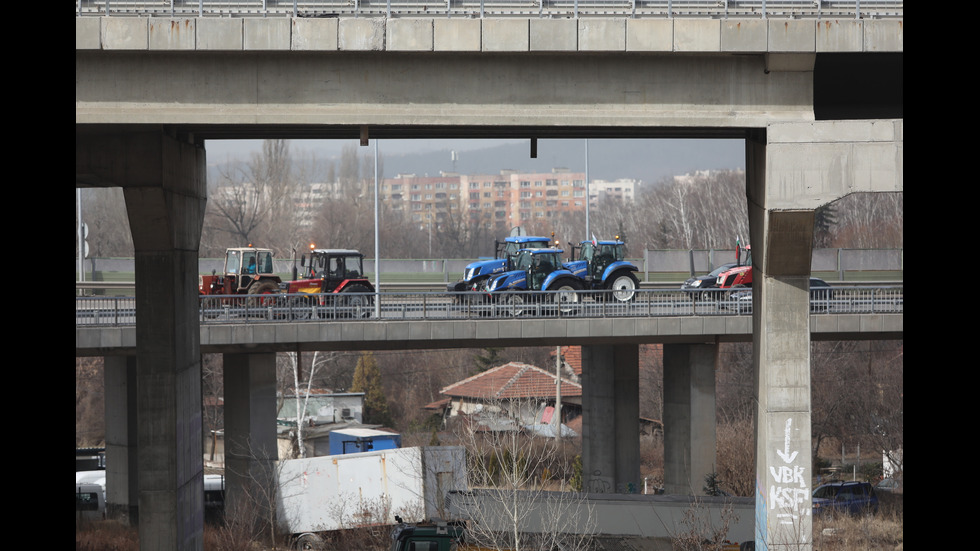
[246, 269]
[476, 273]
[538, 264]
[600, 254]
[329, 271]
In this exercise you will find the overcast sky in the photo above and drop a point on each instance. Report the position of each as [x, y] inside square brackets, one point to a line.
[221, 150]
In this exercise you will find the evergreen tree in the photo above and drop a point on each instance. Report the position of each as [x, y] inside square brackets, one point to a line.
[367, 379]
[824, 221]
[490, 357]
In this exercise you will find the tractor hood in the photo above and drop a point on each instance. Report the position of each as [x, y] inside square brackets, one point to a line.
[484, 268]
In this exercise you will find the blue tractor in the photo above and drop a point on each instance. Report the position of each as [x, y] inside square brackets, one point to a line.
[602, 266]
[535, 271]
[476, 273]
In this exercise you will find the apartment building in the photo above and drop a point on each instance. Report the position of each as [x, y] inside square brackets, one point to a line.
[425, 199]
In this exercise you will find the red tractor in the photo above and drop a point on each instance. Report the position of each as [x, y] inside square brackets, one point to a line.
[740, 275]
[334, 280]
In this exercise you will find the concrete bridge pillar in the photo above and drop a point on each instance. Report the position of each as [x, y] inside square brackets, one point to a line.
[782, 241]
[611, 418]
[122, 490]
[250, 433]
[689, 416]
[792, 169]
[163, 181]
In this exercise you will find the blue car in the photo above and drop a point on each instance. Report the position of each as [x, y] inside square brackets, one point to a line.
[852, 498]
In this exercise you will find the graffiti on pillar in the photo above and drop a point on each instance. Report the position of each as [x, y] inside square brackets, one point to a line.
[790, 488]
[598, 485]
[626, 488]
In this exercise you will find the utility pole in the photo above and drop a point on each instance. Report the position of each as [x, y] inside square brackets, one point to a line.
[377, 246]
[558, 393]
[588, 230]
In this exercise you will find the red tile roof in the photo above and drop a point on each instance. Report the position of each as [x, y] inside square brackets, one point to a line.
[572, 356]
[511, 380]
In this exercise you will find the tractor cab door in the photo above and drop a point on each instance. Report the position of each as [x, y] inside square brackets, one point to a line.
[605, 255]
[234, 280]
[353, 268]
[541, 266]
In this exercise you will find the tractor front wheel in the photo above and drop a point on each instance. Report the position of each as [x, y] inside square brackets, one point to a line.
[512, 304]
[567, 296]
[265, 287]
[301, 308]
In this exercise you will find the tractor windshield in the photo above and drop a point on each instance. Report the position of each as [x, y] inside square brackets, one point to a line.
[523, 260]
[511, 248]
[233, 262]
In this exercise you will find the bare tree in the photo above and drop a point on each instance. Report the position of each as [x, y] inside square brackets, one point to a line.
[516, 510]
[104, 212]
[253, 202]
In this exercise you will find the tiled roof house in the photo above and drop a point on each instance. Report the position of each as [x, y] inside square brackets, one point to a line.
[519, 390]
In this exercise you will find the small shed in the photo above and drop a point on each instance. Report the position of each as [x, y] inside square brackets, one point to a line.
[356, 440]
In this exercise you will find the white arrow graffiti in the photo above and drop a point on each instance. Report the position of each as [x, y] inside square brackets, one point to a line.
[787, 457]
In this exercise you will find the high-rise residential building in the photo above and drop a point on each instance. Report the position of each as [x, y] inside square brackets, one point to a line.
[622, 190]
[427, 200]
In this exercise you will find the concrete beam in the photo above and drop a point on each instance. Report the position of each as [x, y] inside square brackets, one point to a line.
[397, 335]
[699, 35]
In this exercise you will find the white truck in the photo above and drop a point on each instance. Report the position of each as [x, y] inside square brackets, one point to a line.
[371, 488]
[89, 495]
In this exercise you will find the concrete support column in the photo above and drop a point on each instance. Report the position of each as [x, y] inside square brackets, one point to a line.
[250, 432]
[689, 416]
[122, 490]
[163, 180]
[782, 240]
[610, 418]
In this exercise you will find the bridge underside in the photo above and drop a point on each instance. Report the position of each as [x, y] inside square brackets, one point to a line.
[143, 119]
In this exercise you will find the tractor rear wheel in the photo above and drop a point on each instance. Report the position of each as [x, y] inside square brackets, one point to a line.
[623, 286]
[358, 305]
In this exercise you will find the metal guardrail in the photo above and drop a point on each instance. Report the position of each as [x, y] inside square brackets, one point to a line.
[716, 9]
[428, 306]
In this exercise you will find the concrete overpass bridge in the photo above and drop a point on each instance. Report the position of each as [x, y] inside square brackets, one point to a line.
[818, 101]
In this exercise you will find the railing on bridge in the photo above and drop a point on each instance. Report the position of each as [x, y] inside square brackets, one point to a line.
[718, 9]
[416, 306]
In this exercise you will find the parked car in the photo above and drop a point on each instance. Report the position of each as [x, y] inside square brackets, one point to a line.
[821, 295]
[889, 485]
[853, 498]
[698, 284]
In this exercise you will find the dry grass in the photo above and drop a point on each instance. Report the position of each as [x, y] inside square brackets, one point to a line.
[881, 532]
[107, 535]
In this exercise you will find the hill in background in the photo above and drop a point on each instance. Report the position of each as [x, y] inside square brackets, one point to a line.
[648, 160]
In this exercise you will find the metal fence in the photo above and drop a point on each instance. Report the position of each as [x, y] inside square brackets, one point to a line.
[416, 306]
[718, 9]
